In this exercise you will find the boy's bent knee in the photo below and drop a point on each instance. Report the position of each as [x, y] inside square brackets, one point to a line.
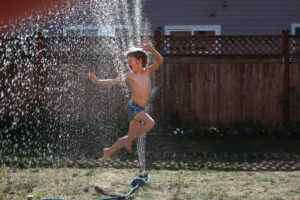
[122, 139]
[150, 123]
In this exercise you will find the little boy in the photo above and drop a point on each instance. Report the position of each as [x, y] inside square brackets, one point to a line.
[139, 79]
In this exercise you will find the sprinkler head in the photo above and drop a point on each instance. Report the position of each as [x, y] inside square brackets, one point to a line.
[139, 181]
[144, 175]
[29, 197]
[142, 180]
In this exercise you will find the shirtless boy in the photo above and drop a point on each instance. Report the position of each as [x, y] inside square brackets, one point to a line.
[139, 79]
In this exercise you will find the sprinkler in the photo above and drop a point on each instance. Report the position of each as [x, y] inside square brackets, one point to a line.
[142, 180]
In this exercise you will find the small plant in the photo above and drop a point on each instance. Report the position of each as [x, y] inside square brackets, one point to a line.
[291, 97]
[182, 131]
[239, 129]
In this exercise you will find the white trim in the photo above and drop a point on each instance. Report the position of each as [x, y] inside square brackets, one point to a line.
[78, 27]
[293, 28]
[107, 30]
[192, 28]
[129, 27]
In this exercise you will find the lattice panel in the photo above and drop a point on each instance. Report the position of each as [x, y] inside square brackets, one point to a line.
[95, 48]
[88, 48]
[79, 48]
[71, 49]
[221, 46]
[294, 45]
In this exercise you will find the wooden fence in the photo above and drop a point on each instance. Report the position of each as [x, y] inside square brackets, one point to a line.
[222, 79]
[206, 80]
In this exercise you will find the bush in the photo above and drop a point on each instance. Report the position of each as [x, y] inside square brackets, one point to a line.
[238, 129]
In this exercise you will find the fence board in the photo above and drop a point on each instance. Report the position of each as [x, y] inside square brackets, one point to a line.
[179, 88]
[172, 88]
[164, 89]
[217, 89]
[295, 84]
[197, 96]
[211, 93]
[187, 93]
[203, 94]
[223, 93]
[194, 100]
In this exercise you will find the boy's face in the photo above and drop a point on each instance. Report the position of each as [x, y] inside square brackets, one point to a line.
[134, 63]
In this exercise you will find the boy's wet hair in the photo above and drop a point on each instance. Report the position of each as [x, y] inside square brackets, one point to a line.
[138, 54]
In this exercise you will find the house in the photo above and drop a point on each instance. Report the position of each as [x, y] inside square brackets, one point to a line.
[210, 17]
[224, 17]
[171, 17]
[223, 79]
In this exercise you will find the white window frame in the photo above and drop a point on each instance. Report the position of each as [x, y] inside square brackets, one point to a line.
[107, 30]
[129, 27]
[293, 28]
[193, 28]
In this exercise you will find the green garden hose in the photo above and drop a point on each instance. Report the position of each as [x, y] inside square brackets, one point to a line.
[142, 180]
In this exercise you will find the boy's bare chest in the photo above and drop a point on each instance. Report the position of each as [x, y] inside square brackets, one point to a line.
[141, 79]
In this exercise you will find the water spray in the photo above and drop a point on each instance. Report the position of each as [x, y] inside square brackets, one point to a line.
[69, 58]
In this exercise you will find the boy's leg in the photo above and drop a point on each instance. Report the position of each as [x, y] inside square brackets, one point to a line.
[132, 126]
[148, 123]
[107, 152]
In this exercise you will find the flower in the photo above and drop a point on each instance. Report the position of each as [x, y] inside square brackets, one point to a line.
[249, 131]
[190, 132]
[214, 129]
[269, 131]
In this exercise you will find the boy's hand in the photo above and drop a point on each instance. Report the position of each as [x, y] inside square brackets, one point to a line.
[93, 77]
[146, 46]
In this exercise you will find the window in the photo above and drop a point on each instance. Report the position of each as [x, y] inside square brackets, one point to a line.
[193, 30]
[90, 32]
[116, 30]
[73, 32]
[295, 29]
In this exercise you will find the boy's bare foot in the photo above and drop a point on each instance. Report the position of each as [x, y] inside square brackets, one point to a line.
[106, 155]
[127, 144]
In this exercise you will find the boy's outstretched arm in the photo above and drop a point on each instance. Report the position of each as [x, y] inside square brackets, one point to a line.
[106, 82]
[146, 46]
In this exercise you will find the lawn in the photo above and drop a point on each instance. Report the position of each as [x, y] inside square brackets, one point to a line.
[180, 167]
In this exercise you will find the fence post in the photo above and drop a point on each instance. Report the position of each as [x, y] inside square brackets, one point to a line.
[286, 78]
[39, 65]
[157, 37]
[157, 79]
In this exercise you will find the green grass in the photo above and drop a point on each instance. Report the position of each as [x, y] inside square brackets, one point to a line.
[179, 168]
[73, 183]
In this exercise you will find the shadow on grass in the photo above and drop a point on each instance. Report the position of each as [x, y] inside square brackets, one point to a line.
[231, 154]
[98, 190]
[187, 153]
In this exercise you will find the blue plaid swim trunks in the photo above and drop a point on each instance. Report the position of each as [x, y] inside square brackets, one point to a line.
[133, 109]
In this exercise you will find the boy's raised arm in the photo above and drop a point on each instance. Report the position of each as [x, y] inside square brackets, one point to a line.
[158, 58]
[107, 82]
